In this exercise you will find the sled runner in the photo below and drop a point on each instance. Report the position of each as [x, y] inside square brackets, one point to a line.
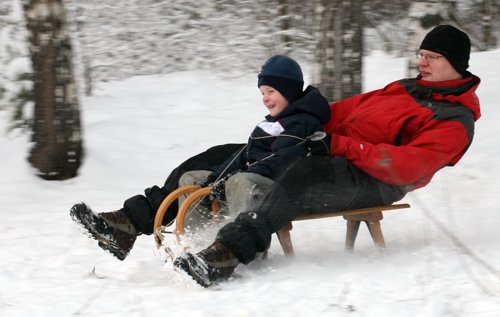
[194, 195]
[371, 216]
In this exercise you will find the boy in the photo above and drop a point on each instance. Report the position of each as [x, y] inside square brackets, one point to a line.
[273, 145]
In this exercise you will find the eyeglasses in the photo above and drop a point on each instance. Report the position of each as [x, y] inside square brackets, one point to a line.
[428, 58]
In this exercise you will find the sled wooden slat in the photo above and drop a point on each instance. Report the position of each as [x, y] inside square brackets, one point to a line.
[194, 193]
[160, 213]
[181, 215]
[371, 216]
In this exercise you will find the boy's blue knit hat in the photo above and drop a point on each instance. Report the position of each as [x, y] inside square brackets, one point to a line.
[283, 74]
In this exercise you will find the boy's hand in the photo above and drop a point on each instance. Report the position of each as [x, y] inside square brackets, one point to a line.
[218, 191]
[210, 179]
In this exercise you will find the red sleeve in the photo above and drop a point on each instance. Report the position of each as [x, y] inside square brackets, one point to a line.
[435, 146]
[341, 109]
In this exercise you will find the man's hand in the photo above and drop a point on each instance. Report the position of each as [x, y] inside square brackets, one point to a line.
[319, 143]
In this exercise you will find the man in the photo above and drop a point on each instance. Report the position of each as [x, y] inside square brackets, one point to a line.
[383, 144]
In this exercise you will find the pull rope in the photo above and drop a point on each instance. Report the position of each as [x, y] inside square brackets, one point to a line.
[197, 203]
[231, 162]
[316, 136]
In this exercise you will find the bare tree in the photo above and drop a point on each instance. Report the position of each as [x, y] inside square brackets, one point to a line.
[424, 15]
[57, 149]
[338, 58]
[478, 19]
[487, 11]
[283, 13]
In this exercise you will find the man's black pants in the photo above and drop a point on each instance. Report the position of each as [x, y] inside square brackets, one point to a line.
[314, 184]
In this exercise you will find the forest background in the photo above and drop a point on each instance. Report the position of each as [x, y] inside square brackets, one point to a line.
[159, 81]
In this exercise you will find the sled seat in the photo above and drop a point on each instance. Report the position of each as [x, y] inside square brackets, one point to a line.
[371, 216]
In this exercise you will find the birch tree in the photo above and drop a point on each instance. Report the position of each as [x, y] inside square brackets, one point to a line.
[57, 143]
[487, 11]
[424, 15]
[338, 59]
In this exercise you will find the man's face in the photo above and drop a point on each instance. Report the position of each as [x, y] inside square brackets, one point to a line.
[435, 67]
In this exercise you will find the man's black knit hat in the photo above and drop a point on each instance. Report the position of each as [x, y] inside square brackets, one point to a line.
[451, 43]
[283, 74]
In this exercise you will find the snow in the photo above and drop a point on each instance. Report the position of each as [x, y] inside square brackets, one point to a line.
[442, 256]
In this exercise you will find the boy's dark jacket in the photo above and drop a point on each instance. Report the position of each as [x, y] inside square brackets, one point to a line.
[277, 142]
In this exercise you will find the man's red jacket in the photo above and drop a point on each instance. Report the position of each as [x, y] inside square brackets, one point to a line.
[404, 133]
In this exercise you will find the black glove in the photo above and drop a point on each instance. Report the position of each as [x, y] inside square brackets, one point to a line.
[218, 190]
[210, 179]
[319, 143]
[207, 201]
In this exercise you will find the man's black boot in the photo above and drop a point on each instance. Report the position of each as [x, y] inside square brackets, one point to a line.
[212, 264]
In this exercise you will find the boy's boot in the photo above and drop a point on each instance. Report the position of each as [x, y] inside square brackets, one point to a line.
[113, 230]
[212, 264]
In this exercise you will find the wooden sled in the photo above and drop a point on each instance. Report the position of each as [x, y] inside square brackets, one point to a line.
[371, 216]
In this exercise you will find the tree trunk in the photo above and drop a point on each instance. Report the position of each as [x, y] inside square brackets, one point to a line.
[339, 31]
[424, 15]
[487, 9]
[285, 22]
[57, 150]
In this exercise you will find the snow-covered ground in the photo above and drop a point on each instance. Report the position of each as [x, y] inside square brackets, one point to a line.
[442, 256]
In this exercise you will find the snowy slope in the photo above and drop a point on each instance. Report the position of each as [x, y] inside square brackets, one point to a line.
[442, 257]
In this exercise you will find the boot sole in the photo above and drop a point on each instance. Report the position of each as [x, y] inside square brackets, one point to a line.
[97, 229]
[199, 272]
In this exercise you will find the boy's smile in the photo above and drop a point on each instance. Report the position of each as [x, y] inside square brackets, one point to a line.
[274, 101]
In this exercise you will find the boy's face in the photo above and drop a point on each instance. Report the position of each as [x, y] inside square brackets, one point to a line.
[273, 100]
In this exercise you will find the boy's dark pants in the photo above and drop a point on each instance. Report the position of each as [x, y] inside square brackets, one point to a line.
[141, 209]
[315, 184]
